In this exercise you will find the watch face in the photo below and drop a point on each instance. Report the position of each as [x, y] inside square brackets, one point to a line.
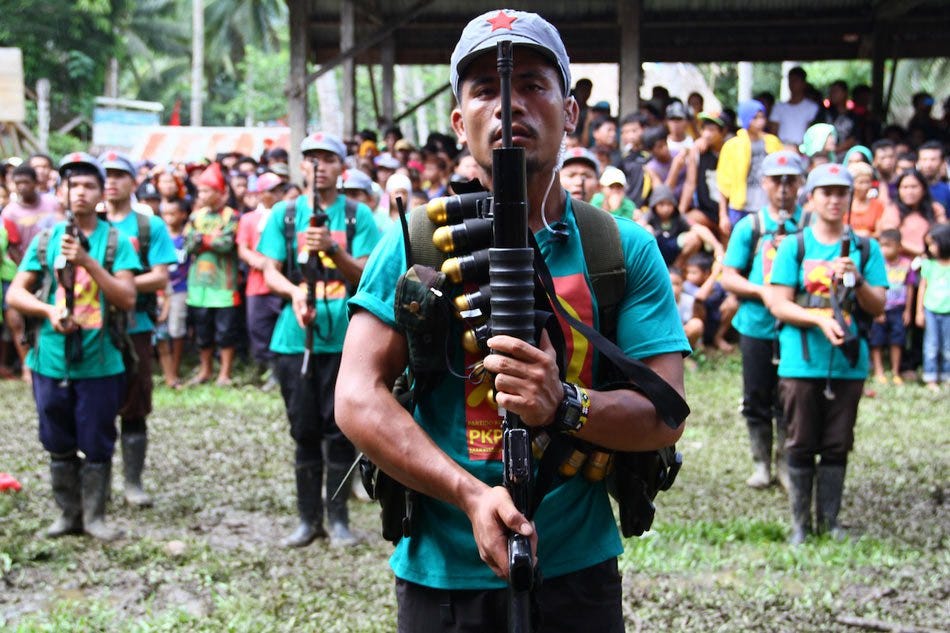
[571, 418]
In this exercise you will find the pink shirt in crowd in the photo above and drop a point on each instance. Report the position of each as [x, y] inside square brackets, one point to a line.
[31, 220]
[249, 234]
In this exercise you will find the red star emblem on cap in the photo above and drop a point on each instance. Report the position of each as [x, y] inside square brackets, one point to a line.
[111, 156]
[501, 21]
[834, 169]
[317, 136]
[782, 160]
[75, 157]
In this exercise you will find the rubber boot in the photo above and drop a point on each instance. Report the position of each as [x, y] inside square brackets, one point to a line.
[829, 490]
[64, 475]
[337, 514]
[801, 481]
[134, 447]
[781, 457]
[96, 480]
[309, 506]
[760, 438]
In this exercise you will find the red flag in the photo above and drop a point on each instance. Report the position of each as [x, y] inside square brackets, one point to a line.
[175, 118]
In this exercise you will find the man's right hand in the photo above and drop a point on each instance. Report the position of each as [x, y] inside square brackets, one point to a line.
[493, 515]
[63, 326]
[832, 330]
[298, 300]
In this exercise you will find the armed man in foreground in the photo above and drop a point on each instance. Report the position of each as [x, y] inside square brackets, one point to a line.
[452, 564]
[84, 270]
[315, 249]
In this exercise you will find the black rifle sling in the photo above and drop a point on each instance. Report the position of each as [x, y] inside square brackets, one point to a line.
[145, 239]
[669, 405]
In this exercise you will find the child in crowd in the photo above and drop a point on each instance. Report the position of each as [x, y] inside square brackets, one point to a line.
[866, 211]
[933, 307]
[702, 281]
[890, 329]
[612, 196]
[690, 311]
[675, 237]
[172, 325]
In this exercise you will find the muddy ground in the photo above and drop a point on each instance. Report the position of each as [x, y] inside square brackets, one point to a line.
[205, 558]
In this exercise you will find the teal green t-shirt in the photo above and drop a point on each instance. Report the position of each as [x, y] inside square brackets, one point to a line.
[289, 337]
[814, 276]
[575, 523]
[753, 318]
[99, 356]
[937, 292]
[160, 251]
[626, 210]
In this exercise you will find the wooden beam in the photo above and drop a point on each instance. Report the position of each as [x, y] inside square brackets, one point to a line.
[297, 82]
[369, 42]
[418, 104]
[347, 40]
[629, 15]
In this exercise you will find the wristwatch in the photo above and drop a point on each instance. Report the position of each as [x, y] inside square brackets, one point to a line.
[571, 415]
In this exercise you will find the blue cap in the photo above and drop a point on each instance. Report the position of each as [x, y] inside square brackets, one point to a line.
[828, 175]
[521, 29]
[783, 163]
[747, 111]
[83, 161]
[356, 179]
[118, 162]
[321, 141]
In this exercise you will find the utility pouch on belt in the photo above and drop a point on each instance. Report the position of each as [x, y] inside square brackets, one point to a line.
[422, 315]
[395, 500]
[635, 481]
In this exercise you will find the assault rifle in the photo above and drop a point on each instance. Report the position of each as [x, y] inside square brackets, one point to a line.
[783, 215]
[839, 291]
[66, 278]
[511, 279]
[311, 267]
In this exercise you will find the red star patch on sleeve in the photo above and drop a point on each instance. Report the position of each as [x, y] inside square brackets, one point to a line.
[501, 21]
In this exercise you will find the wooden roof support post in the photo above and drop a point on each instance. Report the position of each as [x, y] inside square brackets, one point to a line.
[880, 47]
[347, 41]
[388, 58]
[629, 16]
[297, 84]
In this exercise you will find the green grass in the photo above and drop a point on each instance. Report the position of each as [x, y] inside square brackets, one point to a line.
[716, 559]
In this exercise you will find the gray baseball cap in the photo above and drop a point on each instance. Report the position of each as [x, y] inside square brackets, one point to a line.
[356, 179]
[387, 161]
[82, 161]
[118, 162]
[521, 28]
[783, 163]
[828, 175]
[581, 154]
[325, 142]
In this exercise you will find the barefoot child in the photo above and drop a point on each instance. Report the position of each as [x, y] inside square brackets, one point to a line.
[933, 307]
[173, 316]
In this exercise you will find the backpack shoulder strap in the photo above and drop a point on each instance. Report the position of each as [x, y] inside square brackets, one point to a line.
[112, 245]
[290, 235]
[603, 252]
[42, 248]
[421, 229]
[145, 237]
[350, 210]
[757, 228]
[864, 247]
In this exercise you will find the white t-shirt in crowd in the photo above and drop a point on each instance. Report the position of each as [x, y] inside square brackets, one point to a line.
[793, 119]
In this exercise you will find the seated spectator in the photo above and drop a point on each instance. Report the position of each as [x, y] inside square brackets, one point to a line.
[690, 311]
[612, 197]
[676, 239]
[702, 281]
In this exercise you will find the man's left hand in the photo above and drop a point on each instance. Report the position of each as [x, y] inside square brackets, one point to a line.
[527, 381]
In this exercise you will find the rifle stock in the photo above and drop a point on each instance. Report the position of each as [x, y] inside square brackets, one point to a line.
[312, 270]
